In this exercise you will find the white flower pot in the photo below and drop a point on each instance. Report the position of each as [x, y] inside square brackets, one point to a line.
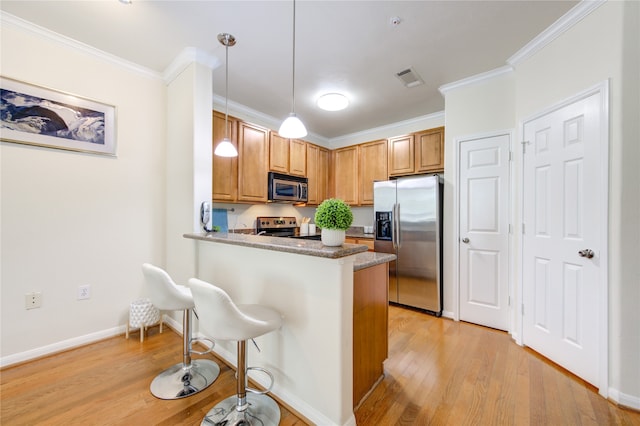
[332, 237]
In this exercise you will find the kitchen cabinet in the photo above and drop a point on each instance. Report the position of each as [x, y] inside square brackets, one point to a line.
[429, 150]
[297, 157]
[370, 328]
[401, 159]
[345, 169]
[253, 164]
[372, 167]
[419, 152]
[225, 169]
[278, 153]
[317, 173]
[364, 241]
[287, 156]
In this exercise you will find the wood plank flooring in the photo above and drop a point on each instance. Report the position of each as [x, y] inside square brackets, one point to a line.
[439, 372]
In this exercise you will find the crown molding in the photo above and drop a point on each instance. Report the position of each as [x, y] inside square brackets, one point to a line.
[566, 21]
[14, 21]
[187, 56]
[474, 79]
[376, 131]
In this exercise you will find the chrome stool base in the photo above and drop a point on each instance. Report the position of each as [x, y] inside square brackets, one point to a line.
[261, 410]
[178, 382]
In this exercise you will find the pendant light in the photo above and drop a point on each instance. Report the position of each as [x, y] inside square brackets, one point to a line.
[292, 127]
[226, 148]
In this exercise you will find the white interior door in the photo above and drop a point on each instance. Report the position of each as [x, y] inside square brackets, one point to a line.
[561, 243]
[484, 231]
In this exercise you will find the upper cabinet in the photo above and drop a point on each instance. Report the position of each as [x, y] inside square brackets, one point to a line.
[225, 169]
[345, 179]
[372, 167]
[419, 152]
[278, 153]
[401, 155]
[298, 157]
[287, 156]
[429, 150]
[317, 173]
[253, 165]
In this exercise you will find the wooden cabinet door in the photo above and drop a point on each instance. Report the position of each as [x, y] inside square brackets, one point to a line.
[346, 174]
[373, 166]
[278, 153]
[253, 152]
[225, 169]
[323, 174]
[317, 173]
[298, 157]
[312, 174]
[401, 155]
[429, 150]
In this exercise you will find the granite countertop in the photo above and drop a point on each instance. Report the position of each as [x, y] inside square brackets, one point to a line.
[359, 234]
[289, 245]
[371, 258]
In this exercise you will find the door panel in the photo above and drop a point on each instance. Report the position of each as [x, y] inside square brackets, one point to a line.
[484, 231]
[561, 215]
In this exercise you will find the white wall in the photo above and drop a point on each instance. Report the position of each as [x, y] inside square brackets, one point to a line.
[471, 110]
[71, 219]
[604, 45]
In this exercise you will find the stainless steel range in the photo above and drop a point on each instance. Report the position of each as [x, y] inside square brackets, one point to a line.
[281, 226]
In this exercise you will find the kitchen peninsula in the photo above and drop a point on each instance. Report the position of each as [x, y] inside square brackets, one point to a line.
[334, 304]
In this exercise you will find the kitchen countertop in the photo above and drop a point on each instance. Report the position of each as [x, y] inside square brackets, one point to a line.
[289, 245]
[371, 258]
[364, 259]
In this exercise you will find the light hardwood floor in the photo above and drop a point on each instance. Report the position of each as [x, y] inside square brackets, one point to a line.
[439, 372]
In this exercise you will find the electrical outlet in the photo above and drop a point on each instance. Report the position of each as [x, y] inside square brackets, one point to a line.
[84, 292]
[33, 300]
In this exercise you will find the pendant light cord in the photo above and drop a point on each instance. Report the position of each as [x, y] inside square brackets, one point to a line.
[293, 80]
[226, 91]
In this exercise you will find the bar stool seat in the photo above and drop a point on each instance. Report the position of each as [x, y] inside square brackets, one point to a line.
[222, 319]
[189, 376]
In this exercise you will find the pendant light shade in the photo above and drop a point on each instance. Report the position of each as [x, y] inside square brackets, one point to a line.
[225, 148]
[292, 127]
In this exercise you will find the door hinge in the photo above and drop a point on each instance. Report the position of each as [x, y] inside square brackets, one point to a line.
[510, 231]
[510, 155]
[523, 229]
[524, 146]
[509, 301]
[522, 309]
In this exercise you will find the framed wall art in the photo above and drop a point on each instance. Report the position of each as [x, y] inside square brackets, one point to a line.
[35, 115]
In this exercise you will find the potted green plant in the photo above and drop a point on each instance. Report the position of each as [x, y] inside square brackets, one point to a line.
[334, 217]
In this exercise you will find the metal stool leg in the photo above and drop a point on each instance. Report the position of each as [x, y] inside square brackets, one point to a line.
[244, 409]
[190, 376]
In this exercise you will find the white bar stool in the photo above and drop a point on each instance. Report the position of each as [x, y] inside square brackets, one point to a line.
[189, 376]
[221, 319]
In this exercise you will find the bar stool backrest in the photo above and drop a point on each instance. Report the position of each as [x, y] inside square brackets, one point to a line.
[163, 292]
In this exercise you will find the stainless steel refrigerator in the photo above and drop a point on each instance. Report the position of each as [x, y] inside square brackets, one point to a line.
[408, 223]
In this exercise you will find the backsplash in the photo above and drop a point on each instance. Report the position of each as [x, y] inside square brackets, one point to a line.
[244, 216]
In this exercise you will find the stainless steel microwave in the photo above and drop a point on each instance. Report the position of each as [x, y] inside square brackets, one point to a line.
[287, 189]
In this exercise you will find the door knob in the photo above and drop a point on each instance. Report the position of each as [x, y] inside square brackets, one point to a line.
[465, 240]
[588, 253]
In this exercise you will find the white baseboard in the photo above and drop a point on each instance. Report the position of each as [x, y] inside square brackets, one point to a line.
[60, 346]
[623, 399]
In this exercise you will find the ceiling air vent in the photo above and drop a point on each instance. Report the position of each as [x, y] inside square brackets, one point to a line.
[409, 77]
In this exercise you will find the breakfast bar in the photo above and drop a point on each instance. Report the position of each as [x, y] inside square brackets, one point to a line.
[333, 301]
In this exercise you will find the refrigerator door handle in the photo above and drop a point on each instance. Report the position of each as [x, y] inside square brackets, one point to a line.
[398, 230]
[394, 228]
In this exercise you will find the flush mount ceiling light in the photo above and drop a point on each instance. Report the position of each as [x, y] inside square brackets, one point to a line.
[225, 148]
[292, 127]
[332, 102]
[125, 1]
